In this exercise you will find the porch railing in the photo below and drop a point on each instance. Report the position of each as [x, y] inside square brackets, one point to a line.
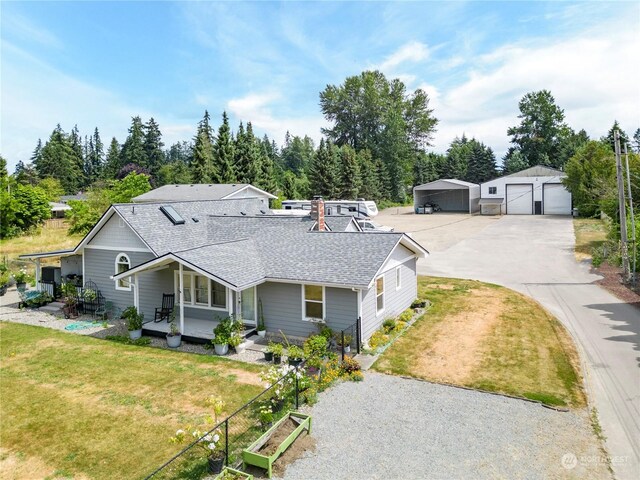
[47, 286]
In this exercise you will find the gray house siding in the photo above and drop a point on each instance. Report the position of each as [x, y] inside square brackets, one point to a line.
[152, 285]
[70, 265]
[99, 266]
[395, 301]
[282, 308]
[341, 308]
[115, 233]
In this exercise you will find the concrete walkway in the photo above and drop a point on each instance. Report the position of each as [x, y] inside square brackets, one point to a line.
[534, 255]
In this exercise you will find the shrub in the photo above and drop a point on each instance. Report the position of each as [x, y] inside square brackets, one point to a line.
[133, 317]
[226, 332]
[350, 365]
[326, 332]
[378, 339]
[406, 316]
[275, 348]
[388, 325]
[400, 325]
[295, 352]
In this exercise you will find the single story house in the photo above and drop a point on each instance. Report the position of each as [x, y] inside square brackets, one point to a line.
[537, 190]
[450, 194]
[204, 191]
[234, 257]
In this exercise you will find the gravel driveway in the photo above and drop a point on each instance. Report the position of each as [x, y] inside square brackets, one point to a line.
[394, 428]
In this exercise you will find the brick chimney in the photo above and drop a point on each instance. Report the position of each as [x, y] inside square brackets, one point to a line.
[317, 212]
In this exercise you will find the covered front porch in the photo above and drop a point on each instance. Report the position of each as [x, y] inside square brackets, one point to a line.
[195, 330]
[199, 300]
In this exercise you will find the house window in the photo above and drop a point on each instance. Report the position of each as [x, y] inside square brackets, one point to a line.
[122, 265]
[218, 295]
[379, 295]
[200, 291]
[313, 300]
[493, 190]
[398, 278]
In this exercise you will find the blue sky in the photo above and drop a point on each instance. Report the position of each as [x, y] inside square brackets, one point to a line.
[99, 64]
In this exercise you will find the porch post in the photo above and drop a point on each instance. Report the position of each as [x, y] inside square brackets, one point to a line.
[181, 298]
[37, 273]
[136, 295]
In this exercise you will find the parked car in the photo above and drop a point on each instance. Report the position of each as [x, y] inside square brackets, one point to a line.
[371, 226]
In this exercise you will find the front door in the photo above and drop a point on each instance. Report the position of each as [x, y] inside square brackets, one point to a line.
[248, 305]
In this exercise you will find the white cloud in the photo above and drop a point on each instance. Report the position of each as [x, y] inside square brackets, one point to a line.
[591, 76]
[258, 108]
[412, 52]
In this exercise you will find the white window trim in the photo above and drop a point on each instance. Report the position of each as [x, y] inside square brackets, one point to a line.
[190, 282]
[304, 308]
[128, 279]
[379, 312]
[398, 278]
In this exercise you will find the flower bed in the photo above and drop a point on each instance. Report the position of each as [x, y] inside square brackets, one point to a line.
[390, 330]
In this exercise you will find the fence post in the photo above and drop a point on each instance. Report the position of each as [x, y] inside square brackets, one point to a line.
[226, 442]
[296, 374]
[342, 345]
[358, 334]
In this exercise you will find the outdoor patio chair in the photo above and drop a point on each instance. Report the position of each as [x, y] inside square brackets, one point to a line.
[164, 312]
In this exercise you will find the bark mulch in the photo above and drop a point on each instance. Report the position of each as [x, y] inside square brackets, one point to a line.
[612, 281]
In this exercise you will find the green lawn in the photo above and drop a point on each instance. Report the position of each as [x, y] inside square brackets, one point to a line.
[484, 336]
[79, 407]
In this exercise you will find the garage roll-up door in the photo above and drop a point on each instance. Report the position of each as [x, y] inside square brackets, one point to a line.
[519, 199]
[556, 200]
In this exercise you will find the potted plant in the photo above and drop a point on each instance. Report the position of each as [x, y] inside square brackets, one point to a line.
[174, 337]
[223, 333]
[295, 355]
[4, 282]
[69, 295]
[237, 342]
[210, 442]
[21, 278]
[262, 330]
[265, 413]
[277, 349]
[134, 322]
[344, 342]
[268, 352]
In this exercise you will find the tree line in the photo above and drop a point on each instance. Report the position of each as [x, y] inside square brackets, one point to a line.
[377, 147]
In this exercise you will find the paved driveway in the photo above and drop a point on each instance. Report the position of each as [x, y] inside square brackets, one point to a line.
[534, 255]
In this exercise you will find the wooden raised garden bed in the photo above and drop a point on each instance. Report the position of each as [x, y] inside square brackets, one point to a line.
[229, 473]
[266, 449]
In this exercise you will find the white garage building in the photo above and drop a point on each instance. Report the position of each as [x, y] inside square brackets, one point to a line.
[535, 191]
[450, 194]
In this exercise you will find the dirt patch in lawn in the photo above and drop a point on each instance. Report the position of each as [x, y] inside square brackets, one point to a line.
[440, 286]
[242, 376]
[16, 466]
[459, 340]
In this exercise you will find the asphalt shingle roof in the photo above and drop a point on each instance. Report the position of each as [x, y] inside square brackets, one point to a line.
[187, 192]
[246, 249]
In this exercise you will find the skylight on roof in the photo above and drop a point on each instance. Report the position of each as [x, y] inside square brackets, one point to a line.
[172, 215]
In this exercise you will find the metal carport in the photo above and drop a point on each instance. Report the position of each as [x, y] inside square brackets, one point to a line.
[450, 194]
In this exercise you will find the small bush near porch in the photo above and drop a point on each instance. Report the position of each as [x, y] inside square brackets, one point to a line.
[489, 337]
[79, 407]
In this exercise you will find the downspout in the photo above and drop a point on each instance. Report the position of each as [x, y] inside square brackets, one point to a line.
[136, 297]
[181, 298]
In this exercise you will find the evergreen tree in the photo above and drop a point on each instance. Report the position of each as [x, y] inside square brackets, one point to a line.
[267, 175]
[75, 139]
[59, 160]
[297, 153]
[370, 186]
[223, 152]
[382, 178]
[25, 174]
[349, 185]
[457, 158]
[37, 152]
[202, 166]
[635, 144]
[429, 167]
[153, 147]
[610, 139]
[88, 151]
[180, 152]
[113, 161]
[177, 172]
[248, 155]
[481, 163]
[323, 171]
[133, 147]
